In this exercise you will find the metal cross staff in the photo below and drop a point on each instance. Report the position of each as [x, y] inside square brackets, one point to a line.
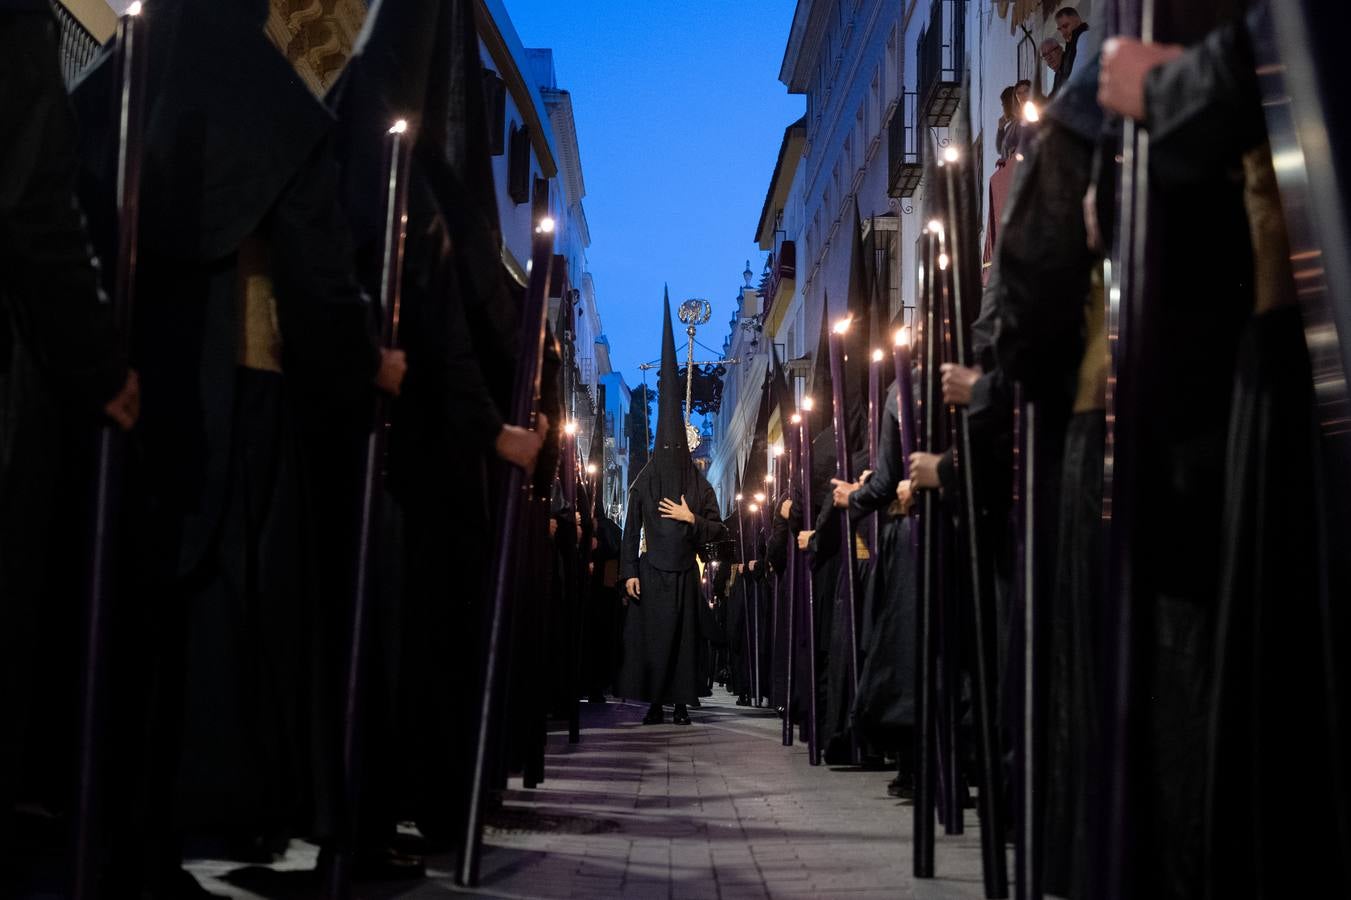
[693, 312]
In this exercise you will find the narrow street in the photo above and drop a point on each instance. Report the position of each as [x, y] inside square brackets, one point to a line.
[719, 809]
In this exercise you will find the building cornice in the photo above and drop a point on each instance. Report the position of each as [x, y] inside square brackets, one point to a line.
[804, 43]
[781, 182]
[559, 104]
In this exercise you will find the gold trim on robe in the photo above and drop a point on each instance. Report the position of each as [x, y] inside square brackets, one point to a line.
[259, 332]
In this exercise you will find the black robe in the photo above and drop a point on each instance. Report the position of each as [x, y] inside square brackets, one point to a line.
[886, 694]
[59, 363]
[226, 602]
[601, 635]
[662, 626]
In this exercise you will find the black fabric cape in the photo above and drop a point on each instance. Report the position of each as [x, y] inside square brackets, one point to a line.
[886, 696]
[59, 363]
[211, 186]
[661, 628]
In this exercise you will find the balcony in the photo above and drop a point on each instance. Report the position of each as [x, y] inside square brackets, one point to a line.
[941, 57]
[904, 149]
[783, 269]
[78, 46]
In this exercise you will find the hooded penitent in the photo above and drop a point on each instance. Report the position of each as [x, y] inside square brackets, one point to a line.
[667, 621]
[670, 473]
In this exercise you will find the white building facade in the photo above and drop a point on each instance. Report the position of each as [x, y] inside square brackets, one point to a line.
[881, 81]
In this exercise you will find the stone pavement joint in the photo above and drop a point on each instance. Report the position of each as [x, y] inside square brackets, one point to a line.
[718, 810]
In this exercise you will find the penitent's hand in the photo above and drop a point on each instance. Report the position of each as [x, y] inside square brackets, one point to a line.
[125, 408]
[393, 366]
[679, 511]
[924, 470]
[786, 509]
[633, 588]
[803, 539]
[519, 446]
[1126, 63]
[957, 384]
[842, 491]
[906, 496]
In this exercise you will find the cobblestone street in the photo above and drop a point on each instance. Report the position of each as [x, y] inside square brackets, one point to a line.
[716, 810]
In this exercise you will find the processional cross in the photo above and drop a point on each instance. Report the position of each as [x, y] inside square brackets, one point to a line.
[693, 312]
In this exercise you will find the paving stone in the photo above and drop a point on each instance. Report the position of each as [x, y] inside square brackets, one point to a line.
[716, 811]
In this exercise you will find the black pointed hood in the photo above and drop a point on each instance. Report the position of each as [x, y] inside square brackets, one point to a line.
[670, 473]
[228, 123]
[856, 350]
[389, 77]
[821, 384]
[780, 397]
[595, 455]
[823, 428]
[757, 465]
[672, 447]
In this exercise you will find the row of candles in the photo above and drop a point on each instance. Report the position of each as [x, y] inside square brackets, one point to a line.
[901, 362]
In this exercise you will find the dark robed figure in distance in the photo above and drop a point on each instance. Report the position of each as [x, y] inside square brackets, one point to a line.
[672, 513]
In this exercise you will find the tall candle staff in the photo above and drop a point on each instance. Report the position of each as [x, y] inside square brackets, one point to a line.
[849, 550]
[129, 59]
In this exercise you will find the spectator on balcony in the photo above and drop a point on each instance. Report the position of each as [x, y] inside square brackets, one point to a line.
[1013, 124]
[1053, 55]
[1007, 101]
[1071, 28]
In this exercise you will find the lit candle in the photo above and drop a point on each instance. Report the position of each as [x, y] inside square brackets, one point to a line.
[836, 342]
[874, 406]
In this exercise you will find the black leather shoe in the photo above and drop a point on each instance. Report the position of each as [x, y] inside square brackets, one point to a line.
[743, 700]
[654, 715]
[901, 787]
[387, 864]
[681, 716]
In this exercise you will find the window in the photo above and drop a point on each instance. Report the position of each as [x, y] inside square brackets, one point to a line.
[495, 103]
[875, 101]
[890, 74]
[518, 164]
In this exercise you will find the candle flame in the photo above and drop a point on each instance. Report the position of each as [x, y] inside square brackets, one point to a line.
[877, 356]
[1030, 112]
[842, 326]
[903, 336]
[591, 468]
[796, 419]
[399, 127]
[546, 225]
[934, 227]
[134, 9]
[570, 428]
[755, 507]
[951, 154]
[759, 498]
[738, 498]
[808, 404]
[943, 261]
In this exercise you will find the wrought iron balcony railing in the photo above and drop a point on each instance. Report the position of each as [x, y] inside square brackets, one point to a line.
[941, 59]
[78, 46]
[905, 149]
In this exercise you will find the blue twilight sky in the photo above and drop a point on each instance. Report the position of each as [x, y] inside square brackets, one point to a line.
[680, 113]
